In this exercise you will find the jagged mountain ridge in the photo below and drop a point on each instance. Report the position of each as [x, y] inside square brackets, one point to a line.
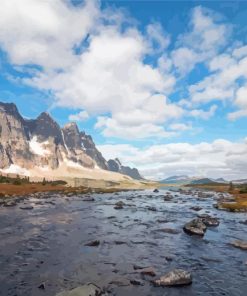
[27, 143]
[115, 165]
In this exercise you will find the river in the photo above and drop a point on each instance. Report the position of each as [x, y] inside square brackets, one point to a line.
[43, 249]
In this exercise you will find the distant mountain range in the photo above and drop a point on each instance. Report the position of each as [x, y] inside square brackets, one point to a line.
[183, 179]
[41, 147]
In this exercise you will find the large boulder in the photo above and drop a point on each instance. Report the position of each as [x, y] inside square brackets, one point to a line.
[195, 227]
[176, 277]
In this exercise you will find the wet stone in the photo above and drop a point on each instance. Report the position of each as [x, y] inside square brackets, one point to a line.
[240, 244]
[195, 227]
[119, 205]
[26, 207]
[153, 209]
[146, 271]
[93, 243]
[136, 282]
[177, 277]
[196, 208]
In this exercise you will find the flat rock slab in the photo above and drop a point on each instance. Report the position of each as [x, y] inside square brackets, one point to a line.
[176, 277]
[240, 244]
[85, 290]
[26, 207]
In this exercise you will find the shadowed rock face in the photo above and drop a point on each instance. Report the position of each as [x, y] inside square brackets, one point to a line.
[14, 136]
[72, 136]
[115, 165]
[45, 127]
[92, 151]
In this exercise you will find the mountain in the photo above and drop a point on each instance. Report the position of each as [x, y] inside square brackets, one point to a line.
[115, 165]
[175, 179]
[39, 146]
[183, 179]
[203, 181]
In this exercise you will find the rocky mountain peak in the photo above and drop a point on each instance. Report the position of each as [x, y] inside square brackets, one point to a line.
[71, 135]
[115, 165]
[45, 127]
[40, 142]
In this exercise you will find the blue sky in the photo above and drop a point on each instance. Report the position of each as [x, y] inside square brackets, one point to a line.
[139, 76]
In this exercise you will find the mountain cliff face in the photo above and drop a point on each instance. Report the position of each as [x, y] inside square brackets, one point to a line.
[42, 143]
[115, 165]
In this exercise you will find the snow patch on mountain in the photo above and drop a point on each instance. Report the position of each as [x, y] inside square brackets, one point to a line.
[37, 147]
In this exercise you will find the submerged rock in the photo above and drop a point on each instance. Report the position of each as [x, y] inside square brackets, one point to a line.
[119, 205]
[240, 244]
[195, 227]
[88, 198]
[156, 190]
[11, 203]
[196, 208]
[94, 243]
[146, 271]
[85, 290]
[153, 209]
[177, 277]
[26, 207]
[136, 282]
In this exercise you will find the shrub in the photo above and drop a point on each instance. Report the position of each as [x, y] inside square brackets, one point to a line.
[17, 182]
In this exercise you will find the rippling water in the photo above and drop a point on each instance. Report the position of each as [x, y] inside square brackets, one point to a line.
[47, 245]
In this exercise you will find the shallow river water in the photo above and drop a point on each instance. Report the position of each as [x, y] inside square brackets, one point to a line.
[46, 244]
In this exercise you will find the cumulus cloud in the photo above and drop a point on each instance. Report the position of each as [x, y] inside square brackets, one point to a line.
[220, 158]
[207, 35]
[81, 116]
[44, 33]
[199, 113]
[92, 61]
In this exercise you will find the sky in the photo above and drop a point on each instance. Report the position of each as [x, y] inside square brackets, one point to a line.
[162, 85]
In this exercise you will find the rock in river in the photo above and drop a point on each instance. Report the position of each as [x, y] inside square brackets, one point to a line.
[196, 226]
[94, 243]
[119, 205]
[176, 277]
[209, 221]
[85, 290]
[146, 271]
[24, 207]
[240, 244]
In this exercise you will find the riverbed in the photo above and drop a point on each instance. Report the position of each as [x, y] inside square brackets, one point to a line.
[44, 244]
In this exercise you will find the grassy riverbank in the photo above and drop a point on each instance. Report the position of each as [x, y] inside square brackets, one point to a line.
[239, 193]
[23, 186]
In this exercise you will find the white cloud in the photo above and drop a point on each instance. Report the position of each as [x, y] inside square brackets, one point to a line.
[199, 113]
[111, 77]
[158, 37]
[180, 127]
[221, 158]
[205, 38]
[44, 33]
[81, 116]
